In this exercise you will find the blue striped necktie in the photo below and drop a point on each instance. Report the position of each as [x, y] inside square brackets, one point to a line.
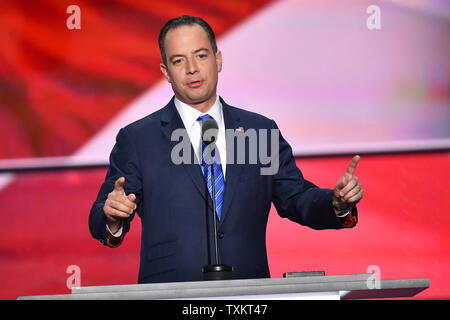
[218, 173]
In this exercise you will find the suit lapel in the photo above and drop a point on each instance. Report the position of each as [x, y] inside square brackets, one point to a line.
[170, 121]
[232, 121]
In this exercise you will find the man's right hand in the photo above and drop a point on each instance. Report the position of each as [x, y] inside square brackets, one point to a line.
[118, 205]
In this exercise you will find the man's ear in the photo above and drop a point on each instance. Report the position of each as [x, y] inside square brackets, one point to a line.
[219, 60]
[165, 71]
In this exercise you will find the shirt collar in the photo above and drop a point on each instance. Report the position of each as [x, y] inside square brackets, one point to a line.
[189, 115]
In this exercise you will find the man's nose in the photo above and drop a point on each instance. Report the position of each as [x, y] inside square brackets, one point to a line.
[191, 66]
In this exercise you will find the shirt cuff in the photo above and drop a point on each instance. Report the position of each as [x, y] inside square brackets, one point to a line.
[348, 220]
[117, 234]
[114, 240]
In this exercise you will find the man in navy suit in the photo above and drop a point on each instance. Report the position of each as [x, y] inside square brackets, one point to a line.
[173, 199]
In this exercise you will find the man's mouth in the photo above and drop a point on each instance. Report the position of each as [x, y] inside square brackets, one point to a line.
[195, 84]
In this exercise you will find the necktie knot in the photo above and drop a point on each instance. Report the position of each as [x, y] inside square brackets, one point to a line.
[203, 118]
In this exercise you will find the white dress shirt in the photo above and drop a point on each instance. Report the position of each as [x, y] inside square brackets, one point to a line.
[189, 116]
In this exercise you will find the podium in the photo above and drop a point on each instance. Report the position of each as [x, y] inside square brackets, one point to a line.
[334, 287]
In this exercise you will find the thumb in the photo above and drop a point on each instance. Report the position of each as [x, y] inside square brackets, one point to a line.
[118, 185]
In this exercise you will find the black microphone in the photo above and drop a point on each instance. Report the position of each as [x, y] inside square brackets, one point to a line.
[217, 271]
[210, 131]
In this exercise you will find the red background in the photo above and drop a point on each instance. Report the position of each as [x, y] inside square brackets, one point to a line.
[403, 228]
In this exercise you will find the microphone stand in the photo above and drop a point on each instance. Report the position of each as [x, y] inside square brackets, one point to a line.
[216, 271]
[213, 185]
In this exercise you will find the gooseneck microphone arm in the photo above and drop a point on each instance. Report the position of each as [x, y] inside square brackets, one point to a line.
[216, 246]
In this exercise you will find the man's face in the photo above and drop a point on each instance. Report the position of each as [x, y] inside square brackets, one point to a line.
[192, 67]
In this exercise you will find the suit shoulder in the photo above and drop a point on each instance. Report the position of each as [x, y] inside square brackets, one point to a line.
[146, 123]
[252, 117]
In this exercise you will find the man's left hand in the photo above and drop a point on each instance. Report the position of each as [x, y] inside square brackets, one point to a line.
[348, 191]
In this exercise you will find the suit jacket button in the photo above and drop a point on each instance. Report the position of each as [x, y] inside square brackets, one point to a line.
[220, 235]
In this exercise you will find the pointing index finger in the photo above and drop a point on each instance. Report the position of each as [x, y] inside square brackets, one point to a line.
[352, 166]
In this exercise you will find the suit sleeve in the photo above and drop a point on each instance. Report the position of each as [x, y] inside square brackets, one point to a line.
[302, 201]
[123, 162]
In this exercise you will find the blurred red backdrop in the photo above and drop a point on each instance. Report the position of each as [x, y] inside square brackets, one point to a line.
[53, 80]
[59, 88]
[403, 228]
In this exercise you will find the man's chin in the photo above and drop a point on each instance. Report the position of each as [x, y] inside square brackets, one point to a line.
[196, 100]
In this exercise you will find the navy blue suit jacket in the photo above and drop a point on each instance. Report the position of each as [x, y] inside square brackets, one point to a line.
[172, 201]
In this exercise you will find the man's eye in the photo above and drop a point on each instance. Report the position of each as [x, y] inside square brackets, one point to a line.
[201, 56]
[178, 61]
